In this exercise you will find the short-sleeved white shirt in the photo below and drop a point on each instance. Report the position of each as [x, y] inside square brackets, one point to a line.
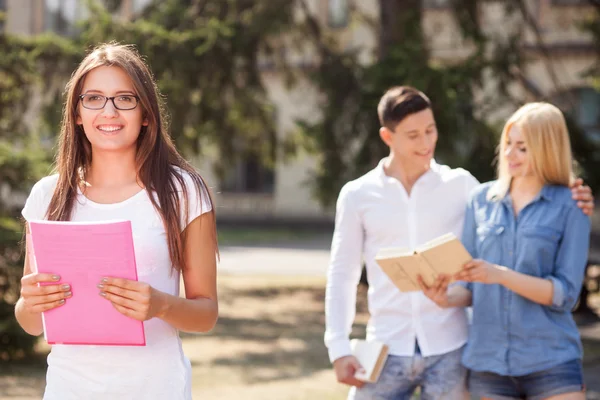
[158, 370]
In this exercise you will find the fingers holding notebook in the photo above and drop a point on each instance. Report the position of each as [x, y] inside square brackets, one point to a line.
[40, 292]
[134, 299]
[480, 271]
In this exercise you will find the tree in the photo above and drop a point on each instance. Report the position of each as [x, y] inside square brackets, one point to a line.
[205, 56]
[22, 160]
[346, 140]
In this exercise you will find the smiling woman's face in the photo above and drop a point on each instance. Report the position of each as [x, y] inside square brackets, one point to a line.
[517, 157]
[110, 129]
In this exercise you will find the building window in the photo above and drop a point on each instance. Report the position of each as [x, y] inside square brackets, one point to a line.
[337, 11]
[249, 175]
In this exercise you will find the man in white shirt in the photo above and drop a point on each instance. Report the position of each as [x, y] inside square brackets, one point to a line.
[407, 200]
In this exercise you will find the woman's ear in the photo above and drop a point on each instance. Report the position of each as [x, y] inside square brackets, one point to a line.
[145, 122]
[78, 120]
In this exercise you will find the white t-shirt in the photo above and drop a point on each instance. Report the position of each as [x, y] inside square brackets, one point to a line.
[158, 370]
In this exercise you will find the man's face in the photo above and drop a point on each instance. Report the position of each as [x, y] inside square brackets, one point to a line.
[414, 138]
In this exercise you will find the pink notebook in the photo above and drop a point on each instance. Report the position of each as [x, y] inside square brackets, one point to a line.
[82, 254]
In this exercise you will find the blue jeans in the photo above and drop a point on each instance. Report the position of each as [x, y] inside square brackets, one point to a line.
[440, 377]
[561, 379]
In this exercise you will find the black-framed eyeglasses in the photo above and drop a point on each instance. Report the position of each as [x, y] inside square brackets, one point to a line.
[98, 102]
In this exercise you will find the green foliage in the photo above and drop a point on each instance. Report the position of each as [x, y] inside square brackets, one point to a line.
[21, 161]
[347, 139]
[26, 66]
[209, 58]
[587, 151]
[592, 26]
[205, 58]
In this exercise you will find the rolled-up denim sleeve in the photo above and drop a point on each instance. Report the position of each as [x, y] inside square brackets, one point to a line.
[558, 292]
[571, 261]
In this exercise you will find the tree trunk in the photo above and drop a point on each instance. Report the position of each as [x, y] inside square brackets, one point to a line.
[400, 23]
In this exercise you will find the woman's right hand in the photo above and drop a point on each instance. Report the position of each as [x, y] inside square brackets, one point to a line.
[438, 291]
[38, 298]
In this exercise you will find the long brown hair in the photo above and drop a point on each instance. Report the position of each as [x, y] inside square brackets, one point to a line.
[159, 165]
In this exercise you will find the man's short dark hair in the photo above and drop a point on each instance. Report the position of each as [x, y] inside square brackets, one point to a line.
[398, 103]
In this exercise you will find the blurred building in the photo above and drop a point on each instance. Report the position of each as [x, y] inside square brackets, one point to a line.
[554, 70]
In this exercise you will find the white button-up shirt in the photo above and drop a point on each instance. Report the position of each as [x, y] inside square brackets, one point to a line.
[373, 212]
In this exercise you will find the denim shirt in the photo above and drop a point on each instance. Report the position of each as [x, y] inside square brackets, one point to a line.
[511, 335]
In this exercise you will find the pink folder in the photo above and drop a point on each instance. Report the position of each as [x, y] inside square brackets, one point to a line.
[82, 254]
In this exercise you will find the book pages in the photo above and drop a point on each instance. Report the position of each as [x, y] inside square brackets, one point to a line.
[371, 355]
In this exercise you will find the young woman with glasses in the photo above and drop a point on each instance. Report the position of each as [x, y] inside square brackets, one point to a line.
[115, 160]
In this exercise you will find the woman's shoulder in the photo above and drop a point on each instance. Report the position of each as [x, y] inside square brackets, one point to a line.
[190, 179]
[46, 185]
[481, 191]
[196, 193]
[39, 199]
[560, 194]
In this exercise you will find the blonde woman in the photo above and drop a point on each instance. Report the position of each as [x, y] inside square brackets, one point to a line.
[530, 244]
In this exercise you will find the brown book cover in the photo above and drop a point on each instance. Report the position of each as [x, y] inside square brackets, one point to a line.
[442, 255]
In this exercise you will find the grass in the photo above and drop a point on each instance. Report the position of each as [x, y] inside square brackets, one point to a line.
[591, 351]
[23, 380]
[267, 345]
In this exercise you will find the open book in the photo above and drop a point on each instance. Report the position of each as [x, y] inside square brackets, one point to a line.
[82, 253]
[371, 355]
[442, 255]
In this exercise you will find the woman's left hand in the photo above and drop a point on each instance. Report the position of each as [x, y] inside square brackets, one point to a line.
[134, 299]
[480, 271]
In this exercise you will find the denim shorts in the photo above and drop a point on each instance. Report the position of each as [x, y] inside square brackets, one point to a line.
[561, 379]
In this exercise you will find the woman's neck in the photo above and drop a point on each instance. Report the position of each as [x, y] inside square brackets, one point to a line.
[523, 190]
[110, 170]
[526, 186]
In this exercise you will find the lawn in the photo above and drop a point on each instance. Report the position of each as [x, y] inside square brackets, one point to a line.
[268, 345]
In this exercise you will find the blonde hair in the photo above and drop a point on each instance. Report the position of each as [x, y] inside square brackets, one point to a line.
[545, 132]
